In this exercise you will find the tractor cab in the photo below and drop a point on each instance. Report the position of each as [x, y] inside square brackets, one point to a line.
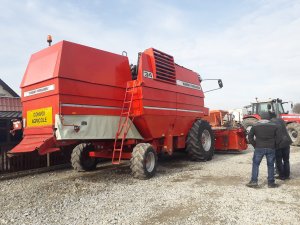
[274, 106]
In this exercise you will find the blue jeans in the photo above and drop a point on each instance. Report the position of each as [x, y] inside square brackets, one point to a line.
[258, 155]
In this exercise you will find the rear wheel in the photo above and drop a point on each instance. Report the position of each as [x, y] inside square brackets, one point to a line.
[200, 141]
[294, 132]
[80, 159]
[143, 162]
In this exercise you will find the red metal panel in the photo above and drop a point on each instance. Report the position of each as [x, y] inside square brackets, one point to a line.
[46, 131]
[154, 126]
[90, 91]
[84, 63]
[158, 94]
[43, 65]
[83, 80]
[167, 108]
[107, 154]
[30, 143]
[183, 125]
[187, 75]
[90, 99]
[290, 118]
[189, 99]
[230, 139]
[78, 62]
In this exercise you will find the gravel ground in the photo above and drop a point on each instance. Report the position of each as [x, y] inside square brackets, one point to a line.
[182, 192]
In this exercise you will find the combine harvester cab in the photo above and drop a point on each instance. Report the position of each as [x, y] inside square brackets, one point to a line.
[74, 95]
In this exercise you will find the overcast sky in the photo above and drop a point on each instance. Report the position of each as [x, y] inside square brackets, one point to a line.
[252, 45]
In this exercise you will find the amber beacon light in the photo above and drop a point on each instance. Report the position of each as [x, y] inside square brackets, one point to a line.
[49, 39]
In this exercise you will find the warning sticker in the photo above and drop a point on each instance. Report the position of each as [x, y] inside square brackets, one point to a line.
[39, 117]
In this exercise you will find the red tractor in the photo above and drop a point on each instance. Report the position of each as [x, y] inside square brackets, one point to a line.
[74, 95]
[275, 107]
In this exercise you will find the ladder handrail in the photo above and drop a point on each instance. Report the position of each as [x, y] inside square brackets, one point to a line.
[124, 122]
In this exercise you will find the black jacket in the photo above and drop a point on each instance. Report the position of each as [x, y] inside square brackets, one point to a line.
[285, 137]
[266, 133]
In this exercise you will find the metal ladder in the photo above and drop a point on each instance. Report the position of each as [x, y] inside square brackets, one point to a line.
[124, 122]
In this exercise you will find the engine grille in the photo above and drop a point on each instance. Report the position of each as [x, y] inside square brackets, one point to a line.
[165, 67]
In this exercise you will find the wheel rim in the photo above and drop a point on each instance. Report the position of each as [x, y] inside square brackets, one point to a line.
[150, 162]
[206, 140]
[293, 134]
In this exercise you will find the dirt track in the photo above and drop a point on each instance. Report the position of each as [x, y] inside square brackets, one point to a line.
[183, 192]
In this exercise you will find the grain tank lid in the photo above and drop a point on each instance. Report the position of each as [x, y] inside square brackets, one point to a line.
[31, 143]
[67, 60]
[43, 65]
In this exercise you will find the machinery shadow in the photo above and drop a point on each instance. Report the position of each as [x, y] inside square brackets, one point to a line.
[175, 163]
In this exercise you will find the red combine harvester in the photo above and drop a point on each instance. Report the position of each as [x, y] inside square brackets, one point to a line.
[77, 95]
[275, 107]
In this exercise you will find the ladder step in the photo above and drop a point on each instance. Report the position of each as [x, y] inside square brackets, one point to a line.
[124, 125]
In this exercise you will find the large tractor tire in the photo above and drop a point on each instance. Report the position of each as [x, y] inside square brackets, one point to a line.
[80, 159]
[248, 124]
[200, 141]
[294, 132]
[143, 161]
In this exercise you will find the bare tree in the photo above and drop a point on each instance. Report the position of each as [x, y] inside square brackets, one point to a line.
[296, 108]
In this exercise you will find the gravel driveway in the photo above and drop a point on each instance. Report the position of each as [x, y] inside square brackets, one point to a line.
[182, 192]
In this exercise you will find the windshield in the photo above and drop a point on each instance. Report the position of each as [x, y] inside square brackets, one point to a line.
[280, 108]
[263, 107]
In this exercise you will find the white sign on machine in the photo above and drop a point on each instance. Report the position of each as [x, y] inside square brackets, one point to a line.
[188, 85]
[39, 90]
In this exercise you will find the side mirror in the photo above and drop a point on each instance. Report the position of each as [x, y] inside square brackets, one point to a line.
[220, 83]
[269, 107]
[292, 105]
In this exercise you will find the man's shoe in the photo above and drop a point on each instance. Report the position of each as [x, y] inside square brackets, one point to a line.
[252, 184]
[273, 185]
[280, 177]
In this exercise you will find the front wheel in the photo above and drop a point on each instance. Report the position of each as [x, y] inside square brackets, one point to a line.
[80, 159]
[294, 132]
[143, 162]
[200, 141]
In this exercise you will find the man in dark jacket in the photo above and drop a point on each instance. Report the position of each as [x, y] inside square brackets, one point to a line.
[264, 136]
[283, 151]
